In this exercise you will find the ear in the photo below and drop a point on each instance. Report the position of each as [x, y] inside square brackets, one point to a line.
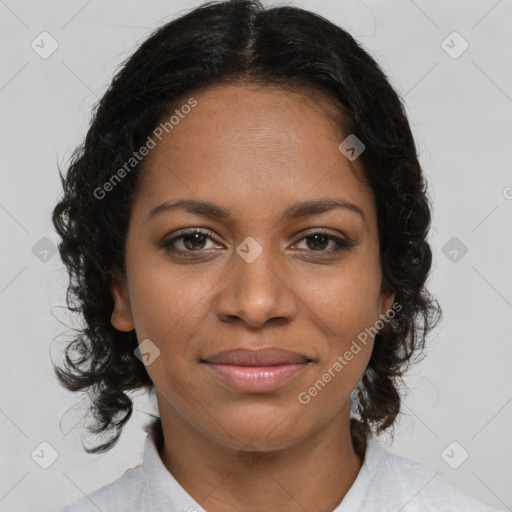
[387, 302]
[122, 318]
[387, 298]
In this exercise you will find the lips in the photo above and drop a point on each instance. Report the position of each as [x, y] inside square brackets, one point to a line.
[256, 371]
[261, 357]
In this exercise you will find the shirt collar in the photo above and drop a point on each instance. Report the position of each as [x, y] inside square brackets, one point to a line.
[162, 492]
[354, 499]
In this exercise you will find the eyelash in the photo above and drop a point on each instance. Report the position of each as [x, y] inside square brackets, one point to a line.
[340, 243]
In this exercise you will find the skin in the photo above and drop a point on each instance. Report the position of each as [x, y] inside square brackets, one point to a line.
[255, 151]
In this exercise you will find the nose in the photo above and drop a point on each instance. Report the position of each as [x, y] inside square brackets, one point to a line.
[257, 293]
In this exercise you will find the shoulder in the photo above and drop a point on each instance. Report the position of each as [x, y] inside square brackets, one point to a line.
[401, 481]
[116, 496]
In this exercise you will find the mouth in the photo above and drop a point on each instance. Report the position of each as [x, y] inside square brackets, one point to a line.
[256, 371]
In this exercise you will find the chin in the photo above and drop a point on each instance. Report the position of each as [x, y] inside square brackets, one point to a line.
[264, 429]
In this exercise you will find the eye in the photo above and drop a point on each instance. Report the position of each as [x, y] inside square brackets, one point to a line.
[317, 241]
[192, 241]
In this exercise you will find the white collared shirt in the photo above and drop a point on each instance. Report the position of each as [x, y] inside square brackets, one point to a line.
[385, 483]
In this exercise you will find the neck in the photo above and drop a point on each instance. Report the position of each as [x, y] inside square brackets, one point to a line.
[314, 474]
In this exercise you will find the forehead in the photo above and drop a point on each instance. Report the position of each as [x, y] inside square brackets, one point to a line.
[247, 145]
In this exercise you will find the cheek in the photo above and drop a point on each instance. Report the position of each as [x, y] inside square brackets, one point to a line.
[165, 298]
[169, 309]
[346, 298]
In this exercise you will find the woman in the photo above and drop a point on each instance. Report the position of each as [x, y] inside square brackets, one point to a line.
[245, 229]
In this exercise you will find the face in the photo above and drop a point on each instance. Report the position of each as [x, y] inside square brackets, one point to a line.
[263, 272]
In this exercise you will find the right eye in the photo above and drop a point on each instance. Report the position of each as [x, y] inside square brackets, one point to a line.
[191, 241]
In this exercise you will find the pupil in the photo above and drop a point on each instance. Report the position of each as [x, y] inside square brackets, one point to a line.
[315, 243]
[198, 239]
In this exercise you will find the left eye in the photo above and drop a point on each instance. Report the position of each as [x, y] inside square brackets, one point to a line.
[321, 239]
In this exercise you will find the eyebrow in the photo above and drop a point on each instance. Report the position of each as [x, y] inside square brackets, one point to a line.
[212, 210]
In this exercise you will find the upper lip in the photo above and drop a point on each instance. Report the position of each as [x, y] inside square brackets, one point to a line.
[261, 357]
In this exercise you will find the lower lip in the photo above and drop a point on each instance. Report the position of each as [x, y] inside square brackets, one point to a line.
[256, 379]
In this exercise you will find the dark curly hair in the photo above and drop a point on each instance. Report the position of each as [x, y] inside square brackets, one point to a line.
[238, 41]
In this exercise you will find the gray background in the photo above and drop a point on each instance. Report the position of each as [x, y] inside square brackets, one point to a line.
[460, 111]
